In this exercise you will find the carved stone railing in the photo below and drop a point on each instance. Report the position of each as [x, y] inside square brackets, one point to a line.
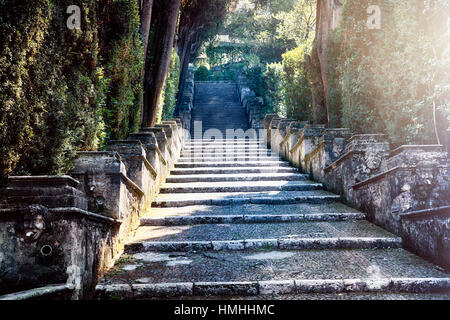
[65, 232]
[187, 101]
[406, 190]
[253, 105]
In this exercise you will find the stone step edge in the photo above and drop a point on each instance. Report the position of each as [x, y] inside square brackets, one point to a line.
[179, 188]
[240, 154]
[294, 286]
[195, 178]
[231, 170]
[245, 200]
[226, 159]
[260, 218]
[265, 244]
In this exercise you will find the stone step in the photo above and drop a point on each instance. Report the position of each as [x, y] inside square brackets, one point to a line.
[260, 141]
[261, 218]
[325, 269]
[226, 149]
[200, 154]
[227, 158]
[233, 164]
[239, 186]
[231, 170]
[280, 235]
[240, 142]
[319, 209]
[225, 145]
[265, 244]
[239, 198]
[236, 177]
[302, 289]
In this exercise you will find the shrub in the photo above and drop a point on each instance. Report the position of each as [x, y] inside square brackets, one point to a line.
[273, 95]
[255, 79]
[385, 81]
[171, 88]
[296, 85]
[202, 74]
[60, 89]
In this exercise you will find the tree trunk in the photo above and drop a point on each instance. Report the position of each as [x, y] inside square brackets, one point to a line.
[328, 14]
[164, 22]
[185, 58]
[145, 8]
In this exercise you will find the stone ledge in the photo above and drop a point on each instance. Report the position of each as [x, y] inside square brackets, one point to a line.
[417, 148]
[38, 181]
[427, 213]
[387, 172]
[343, 157]
[87, 214]
[64, 211]
[43, 292]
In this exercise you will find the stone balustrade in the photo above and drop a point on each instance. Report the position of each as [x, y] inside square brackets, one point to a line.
[406, 190]
[252, 104]
[187, 102]
[69, 230]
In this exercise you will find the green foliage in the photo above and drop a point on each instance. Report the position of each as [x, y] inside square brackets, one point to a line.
[387, 80]
[171, 89]
[296, 85]
[225, 73]
[58, 94]
[202, 74]
[255, 77]
[270, 38]
[273, 86]
[122, 51]
[271, 27]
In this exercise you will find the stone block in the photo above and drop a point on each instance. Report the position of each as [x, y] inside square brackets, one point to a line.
[49, 191]
[103, 178]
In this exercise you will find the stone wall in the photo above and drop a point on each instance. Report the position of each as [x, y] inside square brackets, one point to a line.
[64, 232]
[406, 190]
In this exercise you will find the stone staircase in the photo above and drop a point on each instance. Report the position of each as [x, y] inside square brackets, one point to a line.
[217, 106]
[235, 220]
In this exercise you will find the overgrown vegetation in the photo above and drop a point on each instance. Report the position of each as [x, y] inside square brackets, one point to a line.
[392, 80]
[65, 90]
[270, 39]
[171, 88]
[387, 80]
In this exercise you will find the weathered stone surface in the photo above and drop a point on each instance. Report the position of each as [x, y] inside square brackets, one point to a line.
[49, 191]
[39, 246]
[228, 245]
[276, 287]
[225, 288]
[141, 291]
[57, 291]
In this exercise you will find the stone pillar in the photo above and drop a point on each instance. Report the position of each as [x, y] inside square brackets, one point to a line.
[138, 169]
[103, 178]
[163, 143]
[154, 155]
[282, 139]
[309, 139]
[266, 123]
